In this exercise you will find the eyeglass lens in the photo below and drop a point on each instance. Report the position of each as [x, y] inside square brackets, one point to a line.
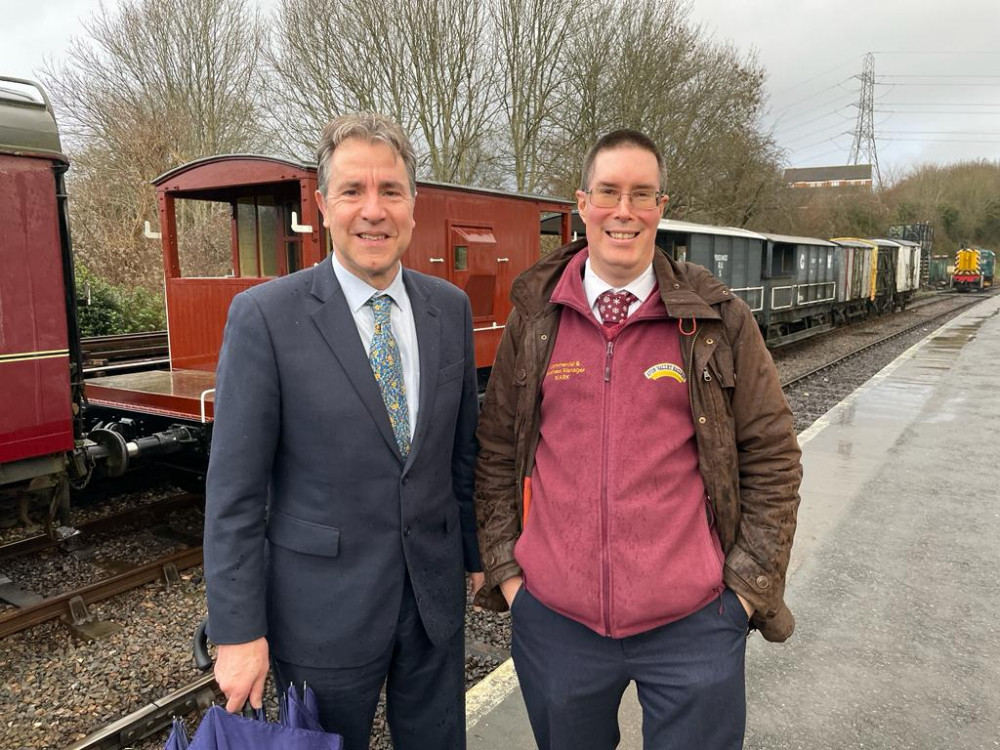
[608, 198]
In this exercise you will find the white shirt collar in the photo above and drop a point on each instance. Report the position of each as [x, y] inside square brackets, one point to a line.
[357, 292]
[594, 285]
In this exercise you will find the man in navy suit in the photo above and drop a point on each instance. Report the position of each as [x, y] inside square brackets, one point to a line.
[339, 502]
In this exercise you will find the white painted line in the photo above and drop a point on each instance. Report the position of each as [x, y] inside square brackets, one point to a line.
[486, 695]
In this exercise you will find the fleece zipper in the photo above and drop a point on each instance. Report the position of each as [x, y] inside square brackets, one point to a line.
[605, 510]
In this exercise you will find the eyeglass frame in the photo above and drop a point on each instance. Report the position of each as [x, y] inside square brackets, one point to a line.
[659, 194]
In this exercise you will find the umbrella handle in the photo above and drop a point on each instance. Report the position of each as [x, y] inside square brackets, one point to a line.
[199, 647]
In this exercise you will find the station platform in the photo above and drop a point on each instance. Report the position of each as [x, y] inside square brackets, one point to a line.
[894, 573]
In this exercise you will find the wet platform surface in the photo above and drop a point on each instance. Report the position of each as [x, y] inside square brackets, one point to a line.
[177, 393]
[895, 572]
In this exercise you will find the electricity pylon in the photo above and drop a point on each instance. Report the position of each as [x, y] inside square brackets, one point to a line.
[864, 132]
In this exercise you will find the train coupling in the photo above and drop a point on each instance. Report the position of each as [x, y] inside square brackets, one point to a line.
[113, 452]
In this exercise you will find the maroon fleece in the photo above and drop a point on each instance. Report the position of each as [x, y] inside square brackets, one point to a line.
[618, 535]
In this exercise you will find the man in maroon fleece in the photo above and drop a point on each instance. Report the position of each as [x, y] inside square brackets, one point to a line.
[638, 477]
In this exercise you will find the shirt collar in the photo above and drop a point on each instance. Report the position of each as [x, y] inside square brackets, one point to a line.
[594, 285]
[357, 292]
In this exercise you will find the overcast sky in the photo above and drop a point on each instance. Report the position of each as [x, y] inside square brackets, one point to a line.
[937, 68]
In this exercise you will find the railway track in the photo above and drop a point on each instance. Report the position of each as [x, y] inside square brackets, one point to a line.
[790, 382]
[31, 609]
[130, 352]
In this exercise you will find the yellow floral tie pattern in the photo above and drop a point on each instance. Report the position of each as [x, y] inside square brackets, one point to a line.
[388, 369]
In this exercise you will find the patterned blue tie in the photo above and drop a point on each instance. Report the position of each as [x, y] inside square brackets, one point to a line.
[388, 369]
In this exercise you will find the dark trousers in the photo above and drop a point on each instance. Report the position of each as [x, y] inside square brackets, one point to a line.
[424, 689]
[689, 675]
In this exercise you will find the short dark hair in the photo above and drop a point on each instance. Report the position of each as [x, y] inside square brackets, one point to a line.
[617, 139]
[368, 126]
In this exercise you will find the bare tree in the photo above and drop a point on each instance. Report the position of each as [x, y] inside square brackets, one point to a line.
[330, 57]
[532, 38]
[149, 86]
[644, 65]
[426, 63]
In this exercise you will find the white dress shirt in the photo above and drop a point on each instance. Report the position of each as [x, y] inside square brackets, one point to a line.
[594, 286]
[357, 293]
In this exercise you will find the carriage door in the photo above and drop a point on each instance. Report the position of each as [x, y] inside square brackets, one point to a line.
[473, 251]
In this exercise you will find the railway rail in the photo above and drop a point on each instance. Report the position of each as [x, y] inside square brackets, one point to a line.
[32, 609]
[790, 382]
[128, 352]
[58, 536]
[72, 606]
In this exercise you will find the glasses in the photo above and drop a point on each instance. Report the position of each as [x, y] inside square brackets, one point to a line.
[607, 197]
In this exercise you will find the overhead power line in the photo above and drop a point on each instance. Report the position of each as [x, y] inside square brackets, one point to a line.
[813, 96]
[949, 85]
[838, 66]
[940, 132]
[936, 140]
[935, 75]
[933, 112]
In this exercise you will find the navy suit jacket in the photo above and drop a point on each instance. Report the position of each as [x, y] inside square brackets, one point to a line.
[313, 518]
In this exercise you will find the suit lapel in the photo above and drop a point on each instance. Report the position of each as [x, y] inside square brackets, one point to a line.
[336, 324]
[427, 320]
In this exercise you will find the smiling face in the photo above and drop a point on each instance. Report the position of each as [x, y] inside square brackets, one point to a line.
[621, 240]
[368, 209]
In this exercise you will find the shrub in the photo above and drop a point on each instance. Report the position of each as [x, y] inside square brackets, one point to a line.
[104, 309]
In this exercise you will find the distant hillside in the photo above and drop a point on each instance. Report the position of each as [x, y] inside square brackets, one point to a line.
[962, 202]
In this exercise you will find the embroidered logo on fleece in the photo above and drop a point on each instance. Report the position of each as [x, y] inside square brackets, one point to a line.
[666, 370]
[565, 370]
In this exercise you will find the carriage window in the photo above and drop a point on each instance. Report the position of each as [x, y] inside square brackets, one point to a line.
[267, 235]
[257, 236]
[292, 256]
[461, 258]
[204, 238]
[246, 228]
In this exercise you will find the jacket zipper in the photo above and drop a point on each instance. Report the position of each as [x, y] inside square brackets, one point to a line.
[605, 513]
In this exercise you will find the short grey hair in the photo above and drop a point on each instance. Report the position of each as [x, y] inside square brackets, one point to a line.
[368, 126]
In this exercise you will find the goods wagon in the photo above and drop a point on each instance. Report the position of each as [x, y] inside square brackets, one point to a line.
[856, 264]
[733, 255]
[937, 272]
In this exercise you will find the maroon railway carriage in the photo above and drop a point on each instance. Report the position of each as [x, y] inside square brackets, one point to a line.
[231, 222]
[39, 355]
[48, 437]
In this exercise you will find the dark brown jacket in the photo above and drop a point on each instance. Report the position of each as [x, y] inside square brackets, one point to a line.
[748, 455]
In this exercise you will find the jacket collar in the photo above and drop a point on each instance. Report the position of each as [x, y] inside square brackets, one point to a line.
[687, 290]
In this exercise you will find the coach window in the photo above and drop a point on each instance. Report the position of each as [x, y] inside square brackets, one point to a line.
[292, 240]
[461, 258]
[267, 236]
[257, 234]
[204, 238]
[246, 227]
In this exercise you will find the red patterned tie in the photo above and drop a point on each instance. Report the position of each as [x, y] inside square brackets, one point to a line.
[613, 306]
